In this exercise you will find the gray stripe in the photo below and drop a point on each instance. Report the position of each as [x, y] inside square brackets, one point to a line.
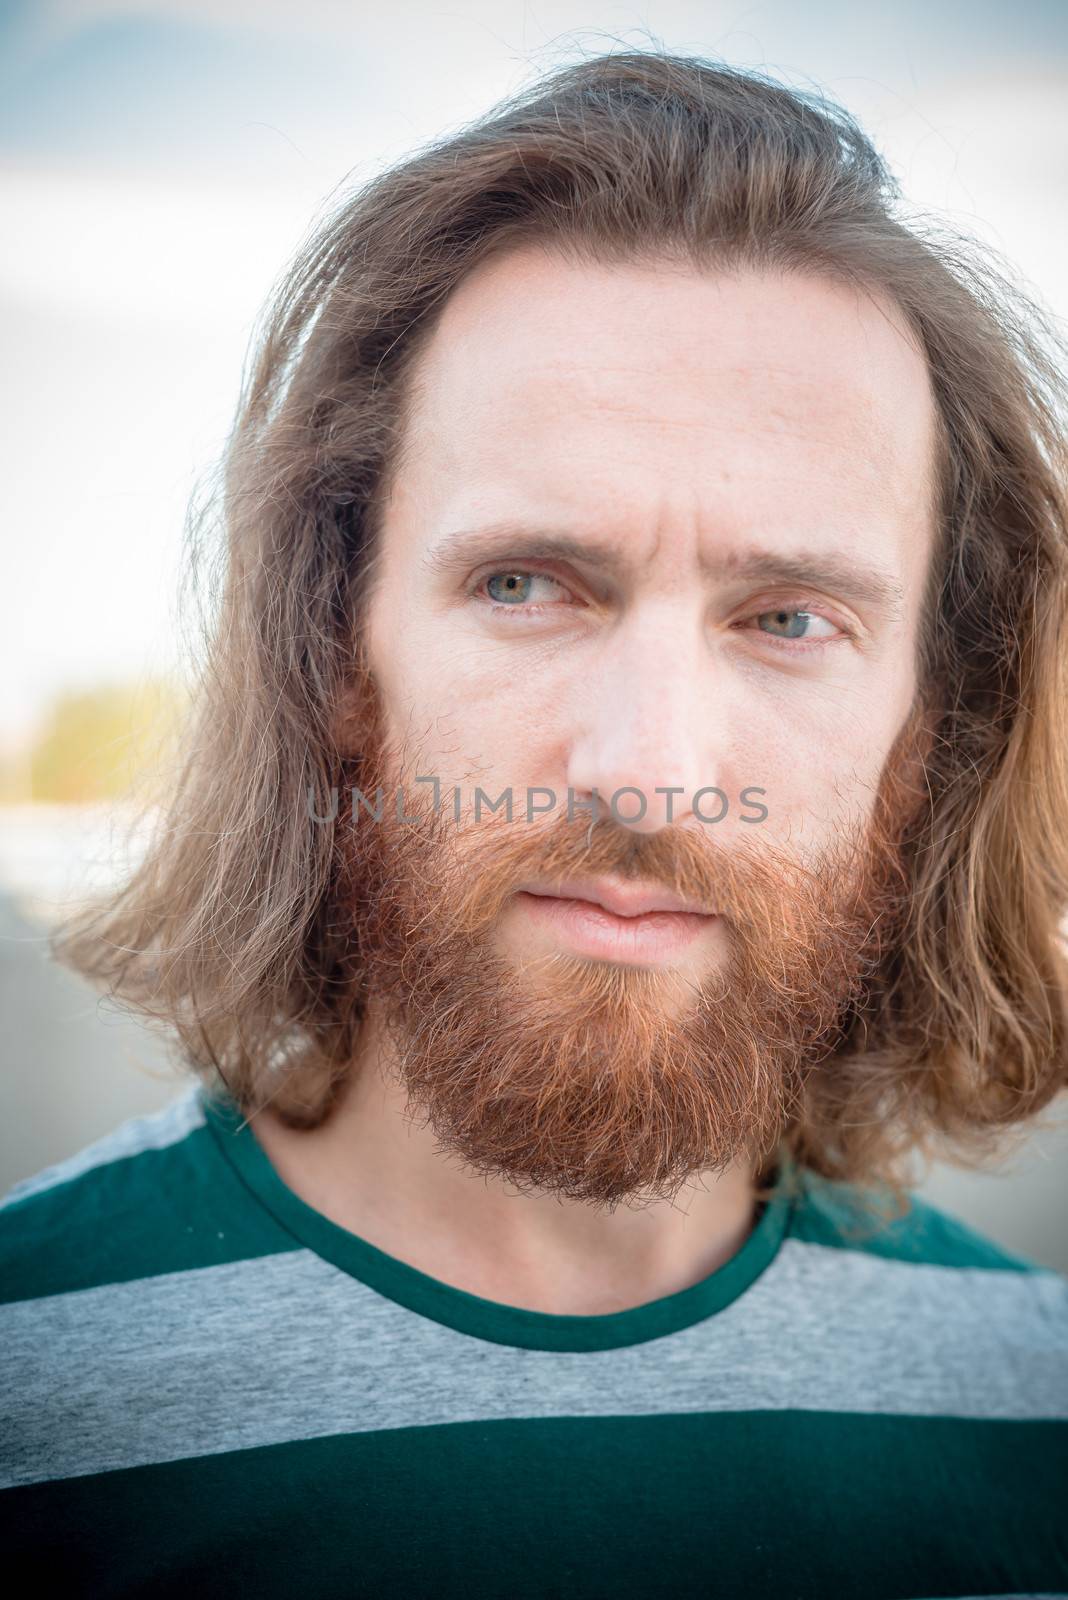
[288, 1347]
[153, 1132]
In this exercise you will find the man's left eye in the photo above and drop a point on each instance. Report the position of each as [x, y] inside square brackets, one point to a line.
[786, 623]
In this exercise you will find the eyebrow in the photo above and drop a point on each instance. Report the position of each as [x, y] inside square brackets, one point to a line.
[804, 569]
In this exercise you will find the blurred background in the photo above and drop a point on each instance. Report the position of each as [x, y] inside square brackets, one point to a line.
[159, 165]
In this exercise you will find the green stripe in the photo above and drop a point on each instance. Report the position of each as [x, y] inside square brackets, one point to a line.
[161, 1211]
[747, 1504]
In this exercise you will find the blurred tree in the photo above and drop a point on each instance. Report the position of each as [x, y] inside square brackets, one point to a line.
[111, 742]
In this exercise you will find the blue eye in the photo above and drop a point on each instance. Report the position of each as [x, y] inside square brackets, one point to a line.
[514, 585]
[513, 589]
[794, 624]
[794, 630]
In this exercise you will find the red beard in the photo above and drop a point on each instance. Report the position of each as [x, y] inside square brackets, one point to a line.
[597, 1081]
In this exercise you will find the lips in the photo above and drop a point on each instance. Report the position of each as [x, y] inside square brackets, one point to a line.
[621, 899]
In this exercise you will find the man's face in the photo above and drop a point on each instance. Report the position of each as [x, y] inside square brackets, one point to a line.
[653, 531]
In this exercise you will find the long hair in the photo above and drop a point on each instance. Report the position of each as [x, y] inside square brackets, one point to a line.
[224, 933]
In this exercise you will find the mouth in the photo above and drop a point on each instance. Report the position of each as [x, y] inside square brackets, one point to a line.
[620, 898]
[641, 925]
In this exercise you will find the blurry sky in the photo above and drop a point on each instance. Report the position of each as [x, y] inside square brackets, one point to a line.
[159, 163]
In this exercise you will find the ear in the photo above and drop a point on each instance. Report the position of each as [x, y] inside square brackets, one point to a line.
[928, 713]
[915, 743]
[349, 725]
[355, 714]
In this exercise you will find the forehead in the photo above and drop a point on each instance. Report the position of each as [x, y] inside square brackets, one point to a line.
[568, 385]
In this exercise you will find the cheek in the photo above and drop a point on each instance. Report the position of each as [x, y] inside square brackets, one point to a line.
[488, 727]
[461, 712]
[820, 765]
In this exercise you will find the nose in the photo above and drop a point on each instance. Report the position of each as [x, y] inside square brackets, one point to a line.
[650, 736]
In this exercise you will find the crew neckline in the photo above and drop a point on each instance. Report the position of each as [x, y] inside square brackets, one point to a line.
[492, 1320]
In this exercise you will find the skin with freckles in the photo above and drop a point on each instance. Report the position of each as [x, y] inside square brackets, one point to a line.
[654, 529]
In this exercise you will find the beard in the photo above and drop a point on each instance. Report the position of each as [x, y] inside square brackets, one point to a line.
[593, 1080]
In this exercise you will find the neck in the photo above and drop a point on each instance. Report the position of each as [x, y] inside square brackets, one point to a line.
[372, 1170]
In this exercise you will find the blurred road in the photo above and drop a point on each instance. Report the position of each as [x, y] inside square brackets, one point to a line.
[69, 1069]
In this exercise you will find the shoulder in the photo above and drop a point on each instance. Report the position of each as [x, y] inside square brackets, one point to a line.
[117, 1210]
[855, 1218]
[984, 1327]
[142, 1251]
[156, 1131]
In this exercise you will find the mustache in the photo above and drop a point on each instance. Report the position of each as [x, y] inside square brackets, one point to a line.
[767, 889]
[762, 887]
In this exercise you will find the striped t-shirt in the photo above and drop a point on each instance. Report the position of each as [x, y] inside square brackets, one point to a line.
[211, 1389]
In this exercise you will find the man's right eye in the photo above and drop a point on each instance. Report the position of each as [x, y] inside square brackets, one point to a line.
[513, 590]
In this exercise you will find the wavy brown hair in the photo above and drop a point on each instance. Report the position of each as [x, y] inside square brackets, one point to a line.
[226, 931]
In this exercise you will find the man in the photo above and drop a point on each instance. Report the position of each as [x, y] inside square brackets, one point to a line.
[624, 820]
